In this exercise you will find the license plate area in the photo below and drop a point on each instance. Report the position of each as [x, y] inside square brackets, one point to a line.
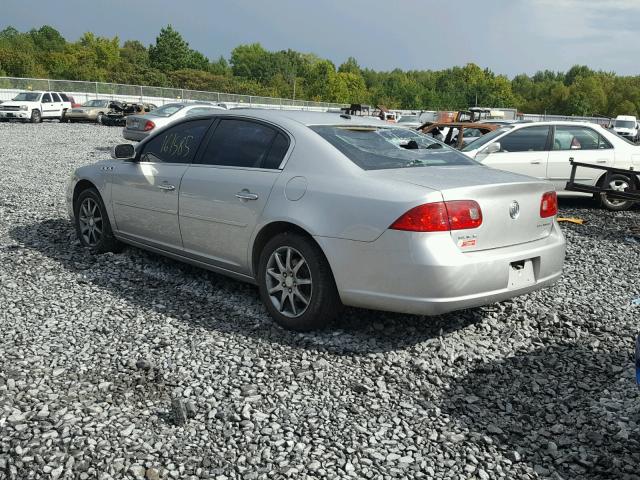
[521, 274]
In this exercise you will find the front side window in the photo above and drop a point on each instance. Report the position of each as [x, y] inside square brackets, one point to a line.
[56, 98]
[485, 139]
[27, 97]
[243, 143]
[176, 145]
[578, 138]
[377, 148]
[46, 98]
[529, 139]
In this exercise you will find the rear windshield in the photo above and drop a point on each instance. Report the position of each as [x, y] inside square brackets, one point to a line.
[167, 110]
[378, 148]
[27, 97]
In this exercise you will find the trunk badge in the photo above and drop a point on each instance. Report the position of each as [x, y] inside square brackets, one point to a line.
[514, 210]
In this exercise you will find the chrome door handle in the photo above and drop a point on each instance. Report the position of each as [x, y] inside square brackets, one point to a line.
[245, 195]
[167, 187]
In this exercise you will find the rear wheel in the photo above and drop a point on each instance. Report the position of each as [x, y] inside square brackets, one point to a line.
[296, 283]
[36, 116]
[92, 223]
[63, 117]
[616, 182]
[99, 118]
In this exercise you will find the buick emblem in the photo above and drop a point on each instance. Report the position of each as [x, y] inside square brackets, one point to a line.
[514, 210]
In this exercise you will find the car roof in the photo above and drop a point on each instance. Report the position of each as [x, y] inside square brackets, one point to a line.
[309, 118]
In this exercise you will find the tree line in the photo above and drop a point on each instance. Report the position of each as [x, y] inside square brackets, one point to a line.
[253, 70]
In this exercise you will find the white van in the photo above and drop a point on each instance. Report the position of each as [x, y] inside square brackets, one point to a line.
[627, 126]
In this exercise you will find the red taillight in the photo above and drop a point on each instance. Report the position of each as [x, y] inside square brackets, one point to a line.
[440, 217]
[549, 205]
[149, 126]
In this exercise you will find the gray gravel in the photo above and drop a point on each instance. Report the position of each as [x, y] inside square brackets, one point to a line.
[135, 366]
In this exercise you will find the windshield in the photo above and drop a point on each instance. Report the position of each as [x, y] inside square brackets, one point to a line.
[95, 103]
[377, 148]
[27, 97]
[409, 119]
[485, 139]
[167, 110]
[625, 124]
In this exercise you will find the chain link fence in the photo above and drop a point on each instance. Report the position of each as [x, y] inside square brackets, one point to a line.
[83, 91]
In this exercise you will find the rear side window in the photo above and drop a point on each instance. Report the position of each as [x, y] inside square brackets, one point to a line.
[277, 152]
[56, 98]
[578, 138]
[243, 143]
[529, 139]
[176, 145]
[46, 98]
[64, 98]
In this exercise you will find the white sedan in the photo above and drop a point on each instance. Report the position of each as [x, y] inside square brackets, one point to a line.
[544, 149]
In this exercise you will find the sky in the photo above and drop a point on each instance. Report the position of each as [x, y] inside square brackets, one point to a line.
[507, 36]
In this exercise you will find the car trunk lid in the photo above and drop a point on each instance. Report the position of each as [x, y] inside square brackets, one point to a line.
[510, 203]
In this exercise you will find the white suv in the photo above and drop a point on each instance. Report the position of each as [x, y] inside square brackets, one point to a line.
[35, 106]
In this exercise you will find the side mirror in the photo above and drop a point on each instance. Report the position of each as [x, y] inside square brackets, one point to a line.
[494, 147]
[124, 150]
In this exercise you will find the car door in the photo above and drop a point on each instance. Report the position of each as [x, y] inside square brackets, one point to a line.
[58, 104]
[144, 192]
[49, 108]
[224, 194]
[583, 144]
[524, 151]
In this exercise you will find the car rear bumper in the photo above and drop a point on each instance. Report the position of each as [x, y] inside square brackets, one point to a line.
[426, 274]
[135, 135]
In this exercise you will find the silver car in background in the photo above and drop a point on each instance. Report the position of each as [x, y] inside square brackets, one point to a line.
[322, 210]
[139, 127]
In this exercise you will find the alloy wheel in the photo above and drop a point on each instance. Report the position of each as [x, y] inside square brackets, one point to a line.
[91, 224]
[620, 186]
[289, 283]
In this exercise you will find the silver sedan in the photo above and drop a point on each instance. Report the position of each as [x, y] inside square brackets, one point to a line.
[139, 127]
[324, 210]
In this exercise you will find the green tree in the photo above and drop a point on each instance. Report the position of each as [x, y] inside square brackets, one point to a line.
[172, 52]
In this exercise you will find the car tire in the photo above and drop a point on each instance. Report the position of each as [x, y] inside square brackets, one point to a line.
[63, 118]
[36, 116]
[286, 261]
[92, 223]
[616, 182]
[99, 118]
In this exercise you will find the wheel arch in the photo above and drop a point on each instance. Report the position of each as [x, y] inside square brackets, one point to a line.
[80, 187]
[634, 178]
[270, 230]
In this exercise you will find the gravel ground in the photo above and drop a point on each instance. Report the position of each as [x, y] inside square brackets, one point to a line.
[136, 366]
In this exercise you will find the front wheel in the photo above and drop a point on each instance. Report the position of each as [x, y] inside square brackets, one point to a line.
[621, 183]
[92, 223]
[36, 117]
[99, 118]
[296, 283]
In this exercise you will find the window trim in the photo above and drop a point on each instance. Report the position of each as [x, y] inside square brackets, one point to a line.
[138, 157]
[213, 128]
[547, 146]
